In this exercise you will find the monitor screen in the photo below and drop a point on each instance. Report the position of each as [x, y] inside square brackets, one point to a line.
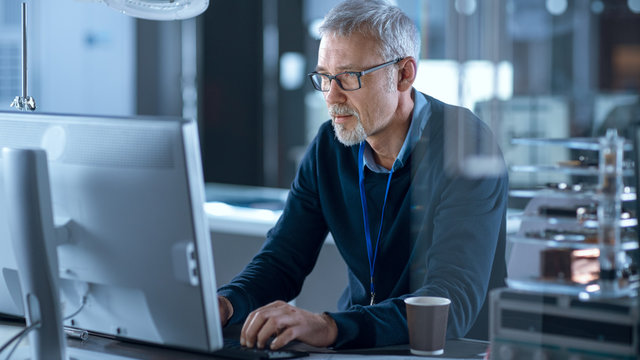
[132, 237]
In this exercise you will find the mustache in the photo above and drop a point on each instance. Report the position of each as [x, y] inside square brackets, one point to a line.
[341, 110]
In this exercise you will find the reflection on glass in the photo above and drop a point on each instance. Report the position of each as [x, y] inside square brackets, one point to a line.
[480, 80]
[556, 7]
[634, 6]
[466, 7]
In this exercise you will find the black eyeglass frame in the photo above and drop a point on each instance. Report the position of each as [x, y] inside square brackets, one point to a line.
[358, 74]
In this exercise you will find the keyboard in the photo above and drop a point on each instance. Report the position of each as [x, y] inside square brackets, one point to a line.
[233, 350]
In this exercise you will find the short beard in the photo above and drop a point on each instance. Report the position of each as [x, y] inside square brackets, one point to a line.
[350, 137]
[347, 137]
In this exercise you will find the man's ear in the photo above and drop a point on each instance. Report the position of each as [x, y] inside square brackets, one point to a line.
[407, 73]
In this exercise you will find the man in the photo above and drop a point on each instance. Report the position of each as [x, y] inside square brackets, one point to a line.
[377, 178]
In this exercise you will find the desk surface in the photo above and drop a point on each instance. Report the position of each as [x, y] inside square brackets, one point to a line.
[97, 347]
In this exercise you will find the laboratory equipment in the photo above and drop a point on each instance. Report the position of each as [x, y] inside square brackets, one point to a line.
[573, 280]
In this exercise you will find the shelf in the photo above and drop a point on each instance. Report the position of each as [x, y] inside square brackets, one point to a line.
[589, 224]
[571, 170]
[625, 244]
[583, 291]
[571, 143]
[628, 195]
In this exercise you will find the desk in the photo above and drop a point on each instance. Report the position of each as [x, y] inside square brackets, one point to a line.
[100, 348]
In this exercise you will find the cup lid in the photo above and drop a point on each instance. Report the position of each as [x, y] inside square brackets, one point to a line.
[427, 300]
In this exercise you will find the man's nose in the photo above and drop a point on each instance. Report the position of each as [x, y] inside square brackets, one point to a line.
[335, 95]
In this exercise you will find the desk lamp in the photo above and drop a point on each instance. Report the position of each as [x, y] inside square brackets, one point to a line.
[159, 9]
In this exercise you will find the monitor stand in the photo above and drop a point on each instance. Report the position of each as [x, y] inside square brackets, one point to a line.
[30, 219]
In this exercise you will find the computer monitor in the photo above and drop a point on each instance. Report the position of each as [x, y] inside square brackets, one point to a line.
[136, 244]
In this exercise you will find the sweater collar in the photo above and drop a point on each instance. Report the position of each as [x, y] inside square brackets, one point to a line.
[420, 115]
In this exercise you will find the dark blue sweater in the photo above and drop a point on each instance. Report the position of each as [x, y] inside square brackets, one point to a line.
[443, 234]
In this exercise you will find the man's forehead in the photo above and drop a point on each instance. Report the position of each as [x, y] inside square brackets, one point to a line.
[346, 52]
[335, 43]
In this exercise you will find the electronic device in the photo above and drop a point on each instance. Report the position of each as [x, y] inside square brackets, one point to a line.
[577, 297]
[635, 131]
[131, 236]
[529, 325]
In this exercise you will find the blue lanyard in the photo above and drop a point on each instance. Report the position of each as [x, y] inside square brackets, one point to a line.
[371, 253]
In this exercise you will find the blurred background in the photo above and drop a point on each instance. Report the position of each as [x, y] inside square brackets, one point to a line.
[529, 68]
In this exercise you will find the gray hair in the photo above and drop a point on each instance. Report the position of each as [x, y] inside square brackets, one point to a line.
[394, 30]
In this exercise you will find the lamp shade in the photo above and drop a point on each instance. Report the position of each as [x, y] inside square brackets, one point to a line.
[159, 9]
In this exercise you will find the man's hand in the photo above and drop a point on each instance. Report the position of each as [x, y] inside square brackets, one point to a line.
[287, 323]
[226, 309]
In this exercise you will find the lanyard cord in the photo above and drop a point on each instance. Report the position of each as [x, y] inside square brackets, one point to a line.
[371, 253]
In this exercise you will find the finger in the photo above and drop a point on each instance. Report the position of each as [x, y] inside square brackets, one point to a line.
[245, 325]
[251, 326]
[270, 328]
[256, 320]
[288, 335]
[277, 317]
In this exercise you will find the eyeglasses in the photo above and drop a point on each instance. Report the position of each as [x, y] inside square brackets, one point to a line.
[348, 80]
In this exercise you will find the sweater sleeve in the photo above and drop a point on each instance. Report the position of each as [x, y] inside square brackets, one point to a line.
[289, 252]
[467, 231]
